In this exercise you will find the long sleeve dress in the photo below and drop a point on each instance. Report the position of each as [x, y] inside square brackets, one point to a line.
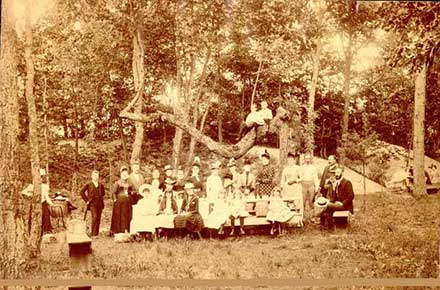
[291, 174]
[219, 215]
[122, 208]
[145, 215]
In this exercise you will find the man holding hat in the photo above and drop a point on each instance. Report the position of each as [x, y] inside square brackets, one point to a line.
[341, 198]
[265, 178]
[93, 194]
[246, 180]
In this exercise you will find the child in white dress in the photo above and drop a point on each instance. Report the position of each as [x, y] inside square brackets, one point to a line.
[220, 214]
[145, 212]
[279, 212]
[237, 206]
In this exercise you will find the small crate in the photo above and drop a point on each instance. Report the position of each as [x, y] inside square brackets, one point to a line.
[261, 208]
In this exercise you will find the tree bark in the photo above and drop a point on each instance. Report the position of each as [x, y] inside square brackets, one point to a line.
[419, 133]
[34, 146]
[14, 256]
[347, 80]
[139, 83]
[311, 105]
[256, 82]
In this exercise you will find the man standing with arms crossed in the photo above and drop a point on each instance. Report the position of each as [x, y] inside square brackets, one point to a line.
[93, 194]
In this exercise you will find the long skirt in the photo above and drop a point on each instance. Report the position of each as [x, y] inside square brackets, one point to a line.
[192, 222]
[121, 215]
[46, 224]
[217, 218]
[144, 223]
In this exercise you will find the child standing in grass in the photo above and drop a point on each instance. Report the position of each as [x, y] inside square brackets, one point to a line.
[279, 213]
[220, 214]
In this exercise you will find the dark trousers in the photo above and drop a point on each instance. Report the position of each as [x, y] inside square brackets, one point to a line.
[327, 215]
[96, 212]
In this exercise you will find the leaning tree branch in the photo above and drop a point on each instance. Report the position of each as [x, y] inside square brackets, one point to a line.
[228, 151]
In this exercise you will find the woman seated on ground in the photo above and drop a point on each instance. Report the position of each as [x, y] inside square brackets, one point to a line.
[237, 207]
[279, 213]
[145, 212]
[190, 218]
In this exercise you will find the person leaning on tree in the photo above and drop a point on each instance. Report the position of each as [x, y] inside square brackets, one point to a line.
[93, 194]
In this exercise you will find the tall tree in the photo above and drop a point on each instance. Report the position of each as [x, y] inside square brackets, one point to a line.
[35, 234]
[138, 77]
[13, 239]
[417, 26]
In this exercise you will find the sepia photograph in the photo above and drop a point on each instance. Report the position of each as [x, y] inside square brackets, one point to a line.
[219, 140]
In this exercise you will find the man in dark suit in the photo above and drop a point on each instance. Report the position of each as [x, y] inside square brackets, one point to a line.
[93, 194]
[341, 198]
[327, 174]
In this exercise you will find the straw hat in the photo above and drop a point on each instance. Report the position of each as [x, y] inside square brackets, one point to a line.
[215, 165]
[167, 167]
[320, 205]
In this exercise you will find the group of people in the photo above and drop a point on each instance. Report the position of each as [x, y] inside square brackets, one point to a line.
[174, 202]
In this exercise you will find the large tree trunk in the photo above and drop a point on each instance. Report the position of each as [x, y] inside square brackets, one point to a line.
[14, 255]
[139, 82]
[310, 146]
[35, 227]
[347, 80]
[419, 133]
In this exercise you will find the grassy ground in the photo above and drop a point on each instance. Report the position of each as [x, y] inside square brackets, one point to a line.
[395, 237]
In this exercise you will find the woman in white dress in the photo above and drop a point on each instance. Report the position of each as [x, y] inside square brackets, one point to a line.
[279, 212]
[290, 178]
[221, 211]
[145, 212]
[214, 184]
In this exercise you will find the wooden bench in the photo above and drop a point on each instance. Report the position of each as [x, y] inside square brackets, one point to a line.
[80, 245]
[341, 218]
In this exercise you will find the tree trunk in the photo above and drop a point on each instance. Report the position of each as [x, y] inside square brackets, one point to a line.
[139, 82]
[310, 146]
[256, 82]
[14, 256]
[76, 132]
[35, 227]
[347, 80]
[124, 143]
[419, 134]
[284, 146]
[220, 125]
[45, 131]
